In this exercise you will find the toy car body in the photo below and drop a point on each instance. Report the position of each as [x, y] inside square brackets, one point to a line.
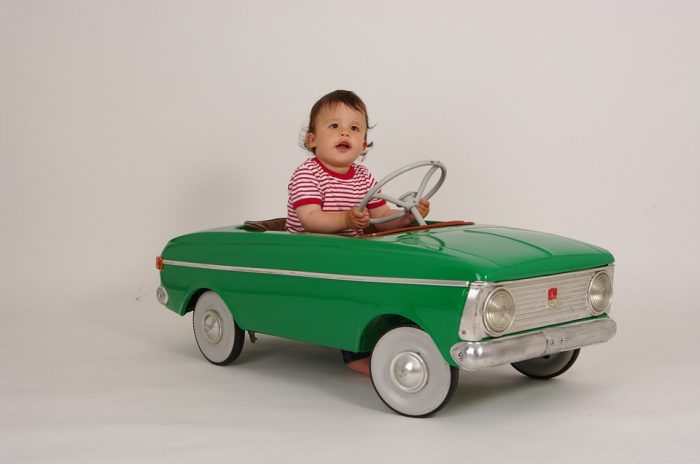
[426, 301]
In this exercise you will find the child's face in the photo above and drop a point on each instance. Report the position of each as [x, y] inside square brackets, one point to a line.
[339, 137]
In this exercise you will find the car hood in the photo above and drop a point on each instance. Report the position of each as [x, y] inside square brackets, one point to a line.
[460, 253]
[497, 253]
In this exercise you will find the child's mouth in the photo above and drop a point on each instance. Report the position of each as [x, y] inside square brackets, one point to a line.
[343, 146]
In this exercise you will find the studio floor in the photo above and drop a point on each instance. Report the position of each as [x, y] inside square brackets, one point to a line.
[123, 381]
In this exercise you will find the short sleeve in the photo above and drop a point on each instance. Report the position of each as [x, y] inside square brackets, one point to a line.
[304, 189]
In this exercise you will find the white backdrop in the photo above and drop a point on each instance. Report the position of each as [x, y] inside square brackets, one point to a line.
[124, 124]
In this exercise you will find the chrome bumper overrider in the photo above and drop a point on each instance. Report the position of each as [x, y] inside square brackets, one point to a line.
[473, 356]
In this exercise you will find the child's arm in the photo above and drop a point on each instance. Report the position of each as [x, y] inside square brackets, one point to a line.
[404, 221]
[314, 219]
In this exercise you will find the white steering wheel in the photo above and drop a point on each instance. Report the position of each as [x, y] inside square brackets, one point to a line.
[409, 200]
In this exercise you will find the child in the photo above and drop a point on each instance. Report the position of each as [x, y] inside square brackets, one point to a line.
[325, 190]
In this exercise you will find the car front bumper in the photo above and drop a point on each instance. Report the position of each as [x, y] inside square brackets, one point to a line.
[474, 356]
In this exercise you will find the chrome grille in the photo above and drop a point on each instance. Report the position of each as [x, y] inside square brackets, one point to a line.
[531, 308]
[530, 297]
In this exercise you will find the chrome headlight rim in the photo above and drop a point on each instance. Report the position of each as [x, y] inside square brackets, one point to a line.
[593, 293]
[510, 312]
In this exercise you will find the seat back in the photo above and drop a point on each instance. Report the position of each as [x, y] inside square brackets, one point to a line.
[275, 225]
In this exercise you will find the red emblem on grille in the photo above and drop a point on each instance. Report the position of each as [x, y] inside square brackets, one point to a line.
[552, 297]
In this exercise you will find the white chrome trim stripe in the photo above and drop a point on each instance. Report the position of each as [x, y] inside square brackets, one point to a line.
[319, 275]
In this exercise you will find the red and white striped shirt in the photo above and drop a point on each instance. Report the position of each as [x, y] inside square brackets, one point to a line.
[313, 183]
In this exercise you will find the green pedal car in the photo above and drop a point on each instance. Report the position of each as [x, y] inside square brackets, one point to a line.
[425, 300]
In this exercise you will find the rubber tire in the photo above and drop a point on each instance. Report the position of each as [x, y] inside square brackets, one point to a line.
[441, 382]
[547, 367]
[230, 344]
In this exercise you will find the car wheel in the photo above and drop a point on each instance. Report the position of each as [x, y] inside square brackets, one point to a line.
[409, 374]
[546, 367]
[218, 336]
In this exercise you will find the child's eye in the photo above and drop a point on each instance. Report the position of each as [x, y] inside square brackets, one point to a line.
[356, 128]
[333, 125]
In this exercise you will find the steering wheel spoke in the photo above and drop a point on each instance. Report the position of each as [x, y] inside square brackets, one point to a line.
[400, 202]
[424, 183]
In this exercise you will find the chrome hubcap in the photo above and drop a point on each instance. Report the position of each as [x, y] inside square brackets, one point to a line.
[212, 326]
[409, 372]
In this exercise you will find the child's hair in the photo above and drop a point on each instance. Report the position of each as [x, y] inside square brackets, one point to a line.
[345, 97]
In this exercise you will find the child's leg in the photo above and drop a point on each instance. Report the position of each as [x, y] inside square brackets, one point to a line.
[360, 365]
[358, 362]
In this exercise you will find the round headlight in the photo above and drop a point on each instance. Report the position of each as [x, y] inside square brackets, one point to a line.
[499, 310]
[600, 293]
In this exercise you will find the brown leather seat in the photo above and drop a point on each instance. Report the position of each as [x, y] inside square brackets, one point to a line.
[275, 225]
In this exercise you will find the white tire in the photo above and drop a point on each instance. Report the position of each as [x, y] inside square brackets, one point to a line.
[409, 374]
[218, 336]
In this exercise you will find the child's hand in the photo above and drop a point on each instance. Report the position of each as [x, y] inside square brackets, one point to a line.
[354, 219]
[423, 207]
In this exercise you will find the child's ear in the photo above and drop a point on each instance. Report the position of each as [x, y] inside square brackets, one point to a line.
[310, 140]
